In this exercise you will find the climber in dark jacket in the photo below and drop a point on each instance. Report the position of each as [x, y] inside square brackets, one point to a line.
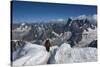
[47, 45]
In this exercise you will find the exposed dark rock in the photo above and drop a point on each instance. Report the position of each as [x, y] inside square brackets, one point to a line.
[93, 44]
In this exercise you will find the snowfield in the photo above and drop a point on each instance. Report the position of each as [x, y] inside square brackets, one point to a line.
[66, 54]
[32, 54]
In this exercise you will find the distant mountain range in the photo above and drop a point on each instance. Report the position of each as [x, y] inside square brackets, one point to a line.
[55, 30]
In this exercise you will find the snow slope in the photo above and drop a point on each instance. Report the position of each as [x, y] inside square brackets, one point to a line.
[66, 54]
[32, 54]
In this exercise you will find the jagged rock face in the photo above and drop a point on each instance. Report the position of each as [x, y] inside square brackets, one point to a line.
[16, 44]
[38, 33]
[87, 37]
[21, 31]
[66, 54]
[77, 28]
[93, 44]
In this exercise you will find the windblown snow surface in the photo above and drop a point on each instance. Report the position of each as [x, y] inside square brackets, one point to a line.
[66, 54]
[31, 54]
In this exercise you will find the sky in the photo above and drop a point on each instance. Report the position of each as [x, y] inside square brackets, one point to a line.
[35, 11]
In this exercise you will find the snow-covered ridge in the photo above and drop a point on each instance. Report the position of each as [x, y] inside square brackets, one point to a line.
[31, 54]
[23, 27]
[66, 54]
[85, 17]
